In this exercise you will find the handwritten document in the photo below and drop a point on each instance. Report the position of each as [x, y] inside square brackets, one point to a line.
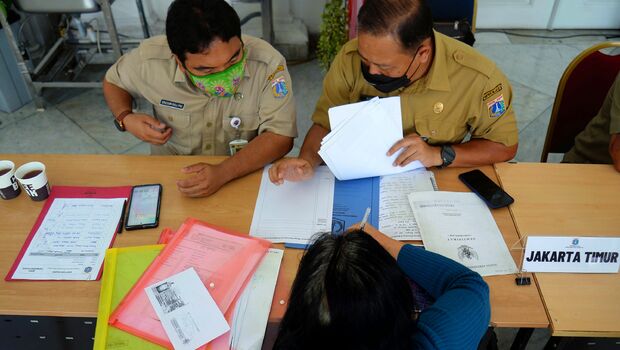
[186, 310]
[458, 225]
[395, 216]
[71, 241]
[294, 211]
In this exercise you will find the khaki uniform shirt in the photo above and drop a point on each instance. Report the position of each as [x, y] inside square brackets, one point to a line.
[463, 92]
[201, 123]
[592, 144]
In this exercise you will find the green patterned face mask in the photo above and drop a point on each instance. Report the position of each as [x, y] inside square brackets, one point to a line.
[221, 84]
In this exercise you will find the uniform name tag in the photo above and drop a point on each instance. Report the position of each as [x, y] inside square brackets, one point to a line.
[172, 104]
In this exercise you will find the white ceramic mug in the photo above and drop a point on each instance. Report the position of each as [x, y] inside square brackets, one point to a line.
[33, 179]
[9, 188]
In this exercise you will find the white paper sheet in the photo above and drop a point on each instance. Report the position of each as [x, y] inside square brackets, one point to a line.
[395, 216]
[186, 310]
[458, 225]
[357, 146]
[252, 311]
[294, 211]
[70, 244]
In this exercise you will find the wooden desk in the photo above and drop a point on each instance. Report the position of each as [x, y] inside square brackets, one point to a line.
[570, 200]
[231, 207]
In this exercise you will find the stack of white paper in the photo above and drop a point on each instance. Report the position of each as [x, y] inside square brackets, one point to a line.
[459, 226]
[252, 310]
[294, 211]
[361, 135]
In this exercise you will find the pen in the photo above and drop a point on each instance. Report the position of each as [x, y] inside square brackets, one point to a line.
[120, 220]
[365, 219]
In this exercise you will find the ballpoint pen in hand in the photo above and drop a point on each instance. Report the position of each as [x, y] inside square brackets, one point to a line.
[365, 218]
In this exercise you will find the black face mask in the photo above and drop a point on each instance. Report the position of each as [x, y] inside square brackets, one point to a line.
[387, 84]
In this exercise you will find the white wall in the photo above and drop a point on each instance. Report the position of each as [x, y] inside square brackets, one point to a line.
[548, 14]
[309, 11]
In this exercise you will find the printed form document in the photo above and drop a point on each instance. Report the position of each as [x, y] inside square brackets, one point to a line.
[387, 197]
[459, 226]
[71, 241]
[294, 211]
[361, 134]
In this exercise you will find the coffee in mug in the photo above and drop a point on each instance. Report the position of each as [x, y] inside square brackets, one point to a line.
[33, 179]
[9, 188]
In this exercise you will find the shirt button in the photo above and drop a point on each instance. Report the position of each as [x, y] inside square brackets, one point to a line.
[438, 107]
[208, 147]
[209, 124]
[171, 118]
[433, 132]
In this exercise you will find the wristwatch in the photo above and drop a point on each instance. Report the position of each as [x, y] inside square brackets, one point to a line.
[118, 120]
[447, 155]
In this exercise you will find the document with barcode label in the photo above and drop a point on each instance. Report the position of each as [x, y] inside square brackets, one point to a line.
[186, 310]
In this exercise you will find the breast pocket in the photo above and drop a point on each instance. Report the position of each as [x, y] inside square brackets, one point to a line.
[181, 141]
[247, 127]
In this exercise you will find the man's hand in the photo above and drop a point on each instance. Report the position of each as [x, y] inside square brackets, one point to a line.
[290, 169]
[415, 148]
[147, 128]
[207, 179]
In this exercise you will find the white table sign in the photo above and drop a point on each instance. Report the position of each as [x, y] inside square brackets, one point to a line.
[572, 254]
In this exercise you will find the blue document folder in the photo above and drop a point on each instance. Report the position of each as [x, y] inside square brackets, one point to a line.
[351, 198]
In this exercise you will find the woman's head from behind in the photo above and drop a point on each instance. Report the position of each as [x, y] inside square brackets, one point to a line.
[348, 293]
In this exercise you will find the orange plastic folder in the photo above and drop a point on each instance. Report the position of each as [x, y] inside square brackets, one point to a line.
[224, 260]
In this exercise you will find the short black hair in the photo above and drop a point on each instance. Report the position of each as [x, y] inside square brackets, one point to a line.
[192, 25]
[409, 21]
[349, 293]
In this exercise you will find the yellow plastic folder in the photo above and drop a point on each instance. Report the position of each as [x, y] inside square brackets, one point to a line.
[122, 268]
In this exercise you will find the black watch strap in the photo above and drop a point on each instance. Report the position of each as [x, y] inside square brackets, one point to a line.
[447, 155]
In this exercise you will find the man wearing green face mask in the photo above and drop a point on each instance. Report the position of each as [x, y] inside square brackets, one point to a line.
[213, 91]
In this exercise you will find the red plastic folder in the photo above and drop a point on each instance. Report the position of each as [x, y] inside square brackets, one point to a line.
[224, 260]
[68, 192]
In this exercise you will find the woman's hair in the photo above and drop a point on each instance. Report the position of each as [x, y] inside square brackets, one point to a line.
[408, 21]
[349, 293]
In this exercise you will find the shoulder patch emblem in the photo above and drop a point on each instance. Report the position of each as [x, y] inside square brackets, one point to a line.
[492, 92]
[497, 107]
[278, 69]
[278, 87]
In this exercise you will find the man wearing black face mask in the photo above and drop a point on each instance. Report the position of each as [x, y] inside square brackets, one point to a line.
[448, 91]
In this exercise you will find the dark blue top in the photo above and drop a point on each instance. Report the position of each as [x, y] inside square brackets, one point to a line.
[460, 315]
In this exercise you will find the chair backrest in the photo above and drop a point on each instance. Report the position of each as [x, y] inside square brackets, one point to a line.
[580, 95]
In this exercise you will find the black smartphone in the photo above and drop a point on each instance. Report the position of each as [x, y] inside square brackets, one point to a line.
[143, 207]
[485, 188]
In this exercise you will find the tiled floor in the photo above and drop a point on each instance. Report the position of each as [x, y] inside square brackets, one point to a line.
[78, 121]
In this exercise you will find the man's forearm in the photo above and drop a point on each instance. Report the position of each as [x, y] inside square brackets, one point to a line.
[263, 149]
[478, 152]
[118, 100]
[312, 143]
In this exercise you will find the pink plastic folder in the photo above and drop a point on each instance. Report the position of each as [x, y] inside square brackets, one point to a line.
[224, 260]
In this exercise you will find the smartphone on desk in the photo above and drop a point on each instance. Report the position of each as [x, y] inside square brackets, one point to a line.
[485, 188]
[144, 207]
